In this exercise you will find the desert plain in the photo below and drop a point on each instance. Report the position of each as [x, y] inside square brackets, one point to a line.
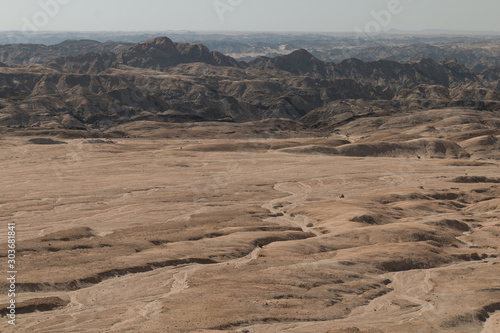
[214, 229]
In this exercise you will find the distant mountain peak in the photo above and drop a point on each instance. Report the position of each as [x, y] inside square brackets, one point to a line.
[156, 52]
[301, 54]
[424, 61]
[352, 61]
[449, 60]
[72, 42]
[162, 52]
[159, 44]
[299, 62]
[158, 41]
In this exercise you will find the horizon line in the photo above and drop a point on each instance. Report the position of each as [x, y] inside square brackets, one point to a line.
[387, 32]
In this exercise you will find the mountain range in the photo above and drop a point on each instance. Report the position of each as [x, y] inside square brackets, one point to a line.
[91, 85]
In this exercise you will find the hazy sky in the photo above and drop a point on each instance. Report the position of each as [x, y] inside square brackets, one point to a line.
[248, 15]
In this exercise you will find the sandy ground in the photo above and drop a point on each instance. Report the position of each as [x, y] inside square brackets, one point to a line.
[159, 236]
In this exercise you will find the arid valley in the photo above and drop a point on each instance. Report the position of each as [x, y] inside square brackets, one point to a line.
[226, 181]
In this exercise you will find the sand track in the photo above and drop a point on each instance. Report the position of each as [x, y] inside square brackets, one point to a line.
[405, 303]
[299, 193]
